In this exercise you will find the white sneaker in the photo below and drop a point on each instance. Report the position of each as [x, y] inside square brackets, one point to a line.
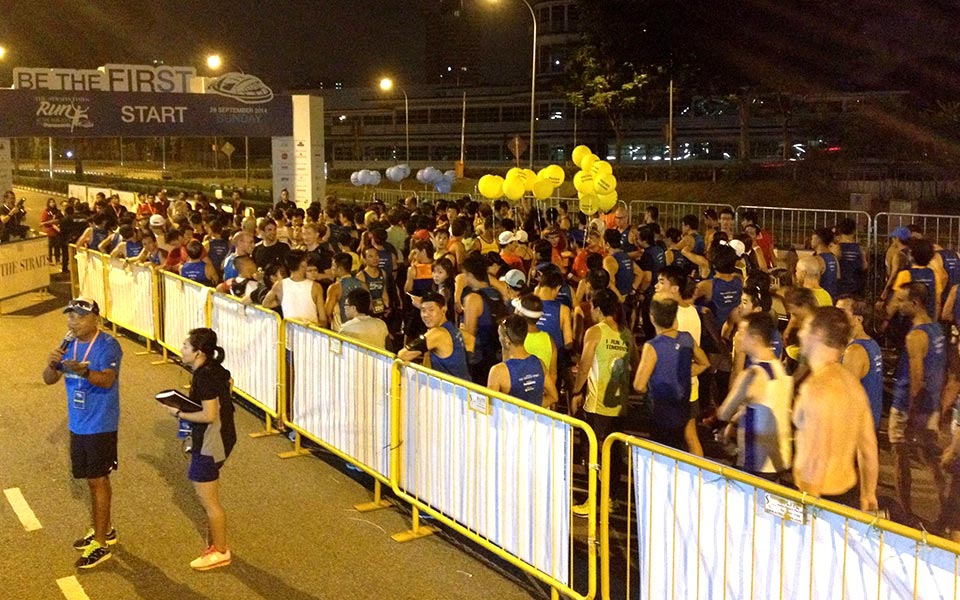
[211, 559]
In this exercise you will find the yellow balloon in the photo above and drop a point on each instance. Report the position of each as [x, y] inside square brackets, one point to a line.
[605, 184]
[542, 189]
[513, 188]
[587, 163]
[529, 178]
[515, 171]
[588, 204]
[606, 202]
[600, 168]
[490, 186]
[583, 181]
[579, 153]
[554, 174]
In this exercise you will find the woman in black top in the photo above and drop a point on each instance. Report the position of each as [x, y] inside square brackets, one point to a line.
[214, 436]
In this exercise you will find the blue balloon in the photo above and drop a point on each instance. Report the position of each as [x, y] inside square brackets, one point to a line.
[442, 186]
[450, 175]
[355, 178]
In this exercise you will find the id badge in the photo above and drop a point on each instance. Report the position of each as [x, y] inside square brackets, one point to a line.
[80, 400]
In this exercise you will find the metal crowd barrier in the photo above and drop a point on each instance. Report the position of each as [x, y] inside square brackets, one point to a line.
[184, 305]
[704, 530]
[671, 213]
[131, 298]
[942, 229]
[252, 341]
[340, 398]
[794, 226]
[91, 275]
[496, 470]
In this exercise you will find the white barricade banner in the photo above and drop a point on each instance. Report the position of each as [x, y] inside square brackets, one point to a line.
[131, 305]
[77, 191]
[184, 307]
[90, 276]
[250, 338]
[700, 535]
[341, 394]
[498, 468]
[23, 267]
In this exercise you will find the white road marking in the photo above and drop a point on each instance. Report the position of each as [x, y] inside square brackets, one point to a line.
[71, 588]
[20, 506]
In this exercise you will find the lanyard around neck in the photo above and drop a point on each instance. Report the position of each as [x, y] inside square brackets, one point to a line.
[87, 353]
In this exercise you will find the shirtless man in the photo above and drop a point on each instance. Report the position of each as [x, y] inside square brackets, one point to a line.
[836, 446]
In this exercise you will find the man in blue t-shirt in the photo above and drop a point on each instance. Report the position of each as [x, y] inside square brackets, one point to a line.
[89, 362]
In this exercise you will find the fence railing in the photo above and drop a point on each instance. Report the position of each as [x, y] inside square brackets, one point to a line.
[793, 226]
[500, 472]
[496, 469]
[703, 530]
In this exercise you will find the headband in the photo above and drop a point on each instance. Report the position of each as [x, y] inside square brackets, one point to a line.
[525, 312]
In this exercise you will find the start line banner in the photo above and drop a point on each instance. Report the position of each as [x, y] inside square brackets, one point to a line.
[51, 113]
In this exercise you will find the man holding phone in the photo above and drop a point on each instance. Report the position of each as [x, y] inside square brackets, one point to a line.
[89, 362]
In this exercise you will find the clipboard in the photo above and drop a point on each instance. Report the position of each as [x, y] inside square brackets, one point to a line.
[176, 399]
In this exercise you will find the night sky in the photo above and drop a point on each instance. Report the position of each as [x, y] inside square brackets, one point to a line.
[288, 43]
[850, 44]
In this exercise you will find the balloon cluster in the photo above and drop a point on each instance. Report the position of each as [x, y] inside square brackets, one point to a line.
[365, 177]
[521, 181]
[398, 173]
[442, 181]
[595, 182]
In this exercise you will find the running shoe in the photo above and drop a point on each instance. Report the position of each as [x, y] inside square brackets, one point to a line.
[93, 555]
[88, 538]
[211, 559]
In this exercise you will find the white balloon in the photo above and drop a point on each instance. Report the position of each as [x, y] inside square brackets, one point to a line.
[355, 178]
[375, 178]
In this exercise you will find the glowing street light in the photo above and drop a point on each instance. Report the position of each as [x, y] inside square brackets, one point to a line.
[3, 52]
[386, 84]
[214, 62]
[533, 79]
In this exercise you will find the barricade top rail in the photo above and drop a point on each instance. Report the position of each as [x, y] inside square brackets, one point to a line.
[942, 229]
[731, 473]
[342, 338]
[505, 398]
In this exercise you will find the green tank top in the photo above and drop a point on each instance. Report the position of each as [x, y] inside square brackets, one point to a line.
[608, 385]
[538, 344]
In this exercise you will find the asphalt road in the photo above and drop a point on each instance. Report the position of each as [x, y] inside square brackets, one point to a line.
[292, 527]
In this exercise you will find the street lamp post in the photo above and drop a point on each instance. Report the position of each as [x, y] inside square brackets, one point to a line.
[533, 81]
[386, 84]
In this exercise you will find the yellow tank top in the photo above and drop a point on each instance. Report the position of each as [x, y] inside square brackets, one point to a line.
[608, 385]
[539, 345]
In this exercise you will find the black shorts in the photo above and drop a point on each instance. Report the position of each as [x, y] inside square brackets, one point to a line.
[203, 468]
[93, 455]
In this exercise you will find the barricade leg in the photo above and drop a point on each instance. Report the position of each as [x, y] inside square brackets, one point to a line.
[418, 531]
[165, 359]
[376, 504]
[149, 348]
[297, 449]
[268, 430]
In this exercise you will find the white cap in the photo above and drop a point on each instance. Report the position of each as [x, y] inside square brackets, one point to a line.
[157, 221]
[737, 246]
[514, 278]
[506, 238]
[522, 236]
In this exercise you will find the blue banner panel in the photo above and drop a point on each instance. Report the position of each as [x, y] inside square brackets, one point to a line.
[48, 113]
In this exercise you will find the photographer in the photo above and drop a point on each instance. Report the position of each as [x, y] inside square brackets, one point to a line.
[12, 214]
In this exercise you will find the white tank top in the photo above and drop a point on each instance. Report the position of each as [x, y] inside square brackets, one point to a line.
[298, 301]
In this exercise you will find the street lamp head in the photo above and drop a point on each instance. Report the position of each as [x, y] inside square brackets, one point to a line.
[3, 52]
[214, 62]
[386, 84]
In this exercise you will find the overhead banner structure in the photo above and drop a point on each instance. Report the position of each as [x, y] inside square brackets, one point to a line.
[43, 113]
[120, 100]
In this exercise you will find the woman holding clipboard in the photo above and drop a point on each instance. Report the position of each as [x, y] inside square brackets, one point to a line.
[214, 436]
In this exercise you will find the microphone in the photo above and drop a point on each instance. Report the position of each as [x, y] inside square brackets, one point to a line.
[67, 339]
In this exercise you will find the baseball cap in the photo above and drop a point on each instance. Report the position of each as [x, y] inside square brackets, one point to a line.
[514, 278]
[82, 306]
[901, 233]
[522, 236]
[506, 238]
[737, 246]
[421, 234]
[157, 221]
